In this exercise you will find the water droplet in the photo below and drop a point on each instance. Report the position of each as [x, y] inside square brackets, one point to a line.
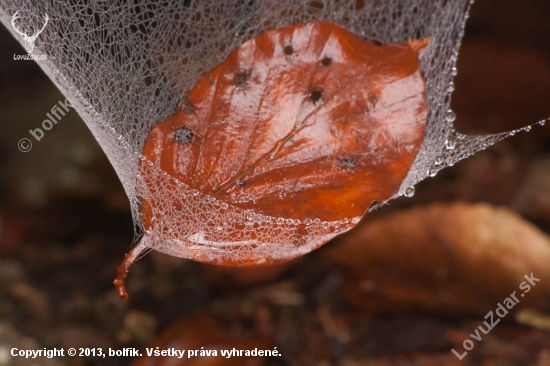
[345, 221]
[542, 123]
[432, 172]
[439, 160]
[280, 221]
[454, 71]
[450, 116]
[409, 192]
[249, 215]
[307, 222]
[450, 144]
[195, 192]
[451, 87]
[150, 163]
[225, 205]
[219, 228]
[289, 221]
[317, 221]
[527, 128]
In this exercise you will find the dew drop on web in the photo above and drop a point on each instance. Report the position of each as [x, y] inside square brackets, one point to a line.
[409, 192]
[450, 116]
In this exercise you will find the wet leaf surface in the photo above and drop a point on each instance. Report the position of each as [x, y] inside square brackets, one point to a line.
[308, 113]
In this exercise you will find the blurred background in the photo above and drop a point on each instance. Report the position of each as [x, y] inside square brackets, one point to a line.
[362, 299]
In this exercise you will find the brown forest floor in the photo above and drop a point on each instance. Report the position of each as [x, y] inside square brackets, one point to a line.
[65, 226]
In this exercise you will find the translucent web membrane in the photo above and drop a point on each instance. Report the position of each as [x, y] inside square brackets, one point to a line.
[126, 66]
[222, 233]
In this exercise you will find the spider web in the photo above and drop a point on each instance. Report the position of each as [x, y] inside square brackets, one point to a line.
[127, 65]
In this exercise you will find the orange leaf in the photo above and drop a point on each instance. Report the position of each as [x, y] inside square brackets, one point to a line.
[309, 114]
[305, 123]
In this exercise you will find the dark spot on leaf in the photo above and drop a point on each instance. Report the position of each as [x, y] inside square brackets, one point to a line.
[139, 200]
[242, 183]
[240, 80]
[188, 107]
[316, 95]
[348, 163]
[184, 135]
[326, 61]
[288, 50]
[378, 43]
[210, 80]
[372, 99]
